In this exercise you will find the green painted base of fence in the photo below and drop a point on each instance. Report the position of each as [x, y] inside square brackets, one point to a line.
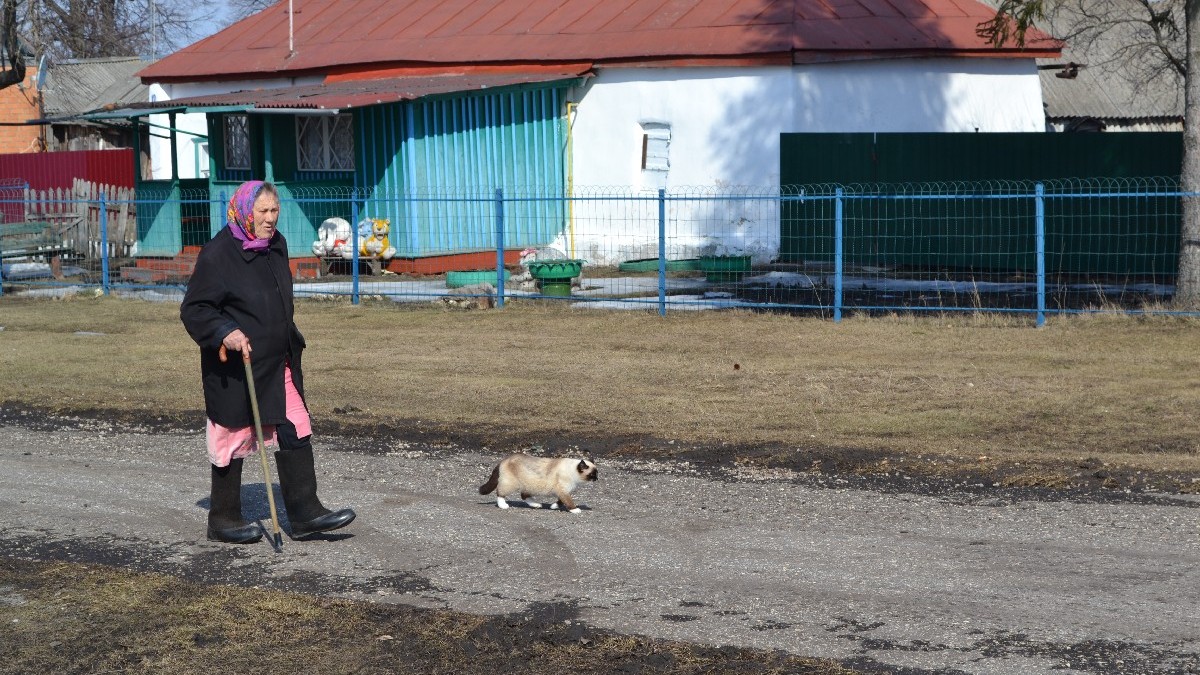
[458, 279]
[651, 265]
[723, 268]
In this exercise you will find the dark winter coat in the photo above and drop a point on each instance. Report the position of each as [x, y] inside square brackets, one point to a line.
[229, 289]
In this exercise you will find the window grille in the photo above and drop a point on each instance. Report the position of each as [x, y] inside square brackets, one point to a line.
[325, 143]
[237, 141]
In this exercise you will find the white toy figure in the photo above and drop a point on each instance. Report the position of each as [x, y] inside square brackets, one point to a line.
[364, 231]
[331, 235]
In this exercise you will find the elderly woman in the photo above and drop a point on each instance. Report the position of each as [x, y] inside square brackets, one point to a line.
[240, 296]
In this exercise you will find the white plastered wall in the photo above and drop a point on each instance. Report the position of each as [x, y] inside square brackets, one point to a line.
[724, 128]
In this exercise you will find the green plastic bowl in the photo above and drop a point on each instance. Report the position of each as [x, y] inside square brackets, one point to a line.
[555, 269]
[458, 279]
[718, 268]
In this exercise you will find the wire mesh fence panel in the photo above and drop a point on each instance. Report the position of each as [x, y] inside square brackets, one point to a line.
[943, 246]
[12, 199]
[1115, 233]
[1055, 246]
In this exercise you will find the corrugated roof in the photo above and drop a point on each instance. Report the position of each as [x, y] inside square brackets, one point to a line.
[1115, 79]
[86, 84]
[356, 93]
[357, 33]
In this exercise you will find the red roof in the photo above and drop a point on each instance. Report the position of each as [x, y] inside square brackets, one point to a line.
[348, 35]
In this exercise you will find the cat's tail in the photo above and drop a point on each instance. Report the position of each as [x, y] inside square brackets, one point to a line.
[491, 482]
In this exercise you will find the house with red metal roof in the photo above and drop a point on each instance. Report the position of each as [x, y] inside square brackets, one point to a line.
[414, 97]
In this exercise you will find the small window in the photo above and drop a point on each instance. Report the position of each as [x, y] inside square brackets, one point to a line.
[656, 159]
[325, 143]
[201, 150]
[237, 141]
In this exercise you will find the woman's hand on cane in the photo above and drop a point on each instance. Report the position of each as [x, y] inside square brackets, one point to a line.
[236, 341]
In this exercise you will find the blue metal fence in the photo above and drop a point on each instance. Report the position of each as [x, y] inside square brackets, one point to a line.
[1032, 248]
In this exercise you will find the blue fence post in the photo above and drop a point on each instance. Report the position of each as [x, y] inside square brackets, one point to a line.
[500, 247]
[354, 253]
[1039, 210]
[837, 256]
[103, 242]
[662, 252]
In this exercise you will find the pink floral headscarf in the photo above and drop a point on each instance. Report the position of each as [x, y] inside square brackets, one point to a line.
[240, 216]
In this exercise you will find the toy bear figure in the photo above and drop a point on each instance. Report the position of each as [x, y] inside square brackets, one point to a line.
[377, 243]
[331, 237]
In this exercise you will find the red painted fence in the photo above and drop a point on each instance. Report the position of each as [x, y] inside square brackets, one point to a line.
[48, 170]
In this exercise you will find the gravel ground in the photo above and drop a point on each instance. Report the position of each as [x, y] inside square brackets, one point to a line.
[927, 579]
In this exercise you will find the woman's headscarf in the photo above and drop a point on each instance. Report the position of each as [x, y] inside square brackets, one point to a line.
[240, 216]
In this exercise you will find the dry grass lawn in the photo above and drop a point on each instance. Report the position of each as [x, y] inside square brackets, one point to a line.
[984, 390]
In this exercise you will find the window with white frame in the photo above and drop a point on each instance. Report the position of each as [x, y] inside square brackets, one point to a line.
[237, 141]
[325, 142]
[656, 157]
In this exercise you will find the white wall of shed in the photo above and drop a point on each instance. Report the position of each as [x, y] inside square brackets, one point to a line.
[725, 126]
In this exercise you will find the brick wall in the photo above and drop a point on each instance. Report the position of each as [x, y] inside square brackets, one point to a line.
[18, 104]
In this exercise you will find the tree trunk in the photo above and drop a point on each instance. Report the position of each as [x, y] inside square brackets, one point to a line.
[1187, 285]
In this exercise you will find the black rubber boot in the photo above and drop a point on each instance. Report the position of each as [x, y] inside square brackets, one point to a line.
[298, 479]
[225, 522]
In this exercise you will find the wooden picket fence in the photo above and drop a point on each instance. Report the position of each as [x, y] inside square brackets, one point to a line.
[75, 213]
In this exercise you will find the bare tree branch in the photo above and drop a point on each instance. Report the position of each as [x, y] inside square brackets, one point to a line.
[10, 47]
[240, 9]
[94, 28]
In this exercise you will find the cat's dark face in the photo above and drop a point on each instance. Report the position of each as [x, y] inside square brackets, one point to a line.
[587, 470]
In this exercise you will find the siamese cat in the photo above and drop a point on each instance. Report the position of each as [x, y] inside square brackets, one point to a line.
[537, 476]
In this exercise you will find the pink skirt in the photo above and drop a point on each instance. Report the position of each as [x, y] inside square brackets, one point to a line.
[226, 444]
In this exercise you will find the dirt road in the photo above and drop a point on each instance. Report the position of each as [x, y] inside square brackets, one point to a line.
[917, 581]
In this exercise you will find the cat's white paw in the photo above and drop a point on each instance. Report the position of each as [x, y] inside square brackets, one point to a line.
[501, 502]
[576, 510]
[554, 506]
[533, 505]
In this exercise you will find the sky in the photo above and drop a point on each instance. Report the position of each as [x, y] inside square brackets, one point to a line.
[221, 15]
[219, 10]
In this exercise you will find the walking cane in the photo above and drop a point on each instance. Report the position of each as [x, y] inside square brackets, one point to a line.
[277, 541]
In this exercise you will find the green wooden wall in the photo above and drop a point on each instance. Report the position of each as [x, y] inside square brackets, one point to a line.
[1104, 235]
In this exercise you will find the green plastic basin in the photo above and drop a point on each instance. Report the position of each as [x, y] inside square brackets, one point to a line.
[458, 279]
[718, 268]
[555, 287]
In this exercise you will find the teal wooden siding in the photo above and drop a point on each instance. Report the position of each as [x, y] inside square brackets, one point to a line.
[433, 166]
[158, 219]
